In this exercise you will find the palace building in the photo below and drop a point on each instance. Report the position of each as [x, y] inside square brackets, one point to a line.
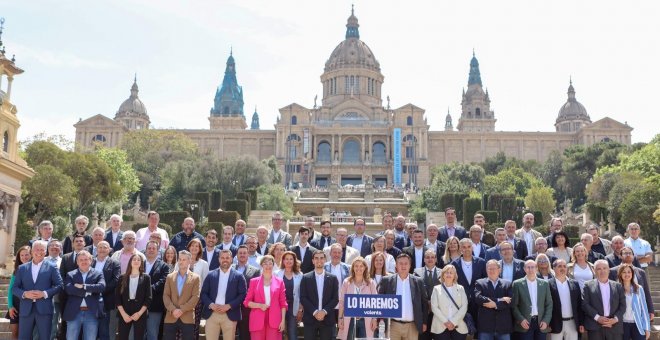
[352, 137]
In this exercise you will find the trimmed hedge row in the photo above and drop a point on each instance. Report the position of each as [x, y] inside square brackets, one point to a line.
[225, 217]
[174, 218]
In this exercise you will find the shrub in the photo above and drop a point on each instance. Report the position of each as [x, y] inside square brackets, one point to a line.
[174, 218]
[217, 226]
[243, 196]
[216, 199]
[458, 204]
[226, 217]
[127, 218]
[204, 200]
[24, 232]
[239, 206]
[62, 228]
[253, 198]
[538, 218]
[507, 209]
[490, 216]
[446, 201]
[470, 207]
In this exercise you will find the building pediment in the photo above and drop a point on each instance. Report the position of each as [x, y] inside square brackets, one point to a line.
[607, 123]
[98, 120]
[295, 107]
[409, 107]
[351, 110]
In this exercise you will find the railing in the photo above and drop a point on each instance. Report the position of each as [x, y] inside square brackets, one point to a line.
[333, 219]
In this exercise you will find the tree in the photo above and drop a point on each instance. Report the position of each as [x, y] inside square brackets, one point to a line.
[273, 197]
[117, 160]
[48, 192]
[644, 161]
[94, 179]
[271, 162]
[512, 181]
[493, 165]
[639, 206]
[539, 198]
[550, 172]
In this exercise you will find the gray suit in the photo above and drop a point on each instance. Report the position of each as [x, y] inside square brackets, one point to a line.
[284, 237]
[592, 305]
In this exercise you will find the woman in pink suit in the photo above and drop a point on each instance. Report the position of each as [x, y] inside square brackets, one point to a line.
[267, 299]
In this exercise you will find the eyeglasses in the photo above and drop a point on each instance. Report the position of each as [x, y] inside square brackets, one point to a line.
[626, 253]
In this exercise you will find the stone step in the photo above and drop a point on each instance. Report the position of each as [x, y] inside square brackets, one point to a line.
[4, 326]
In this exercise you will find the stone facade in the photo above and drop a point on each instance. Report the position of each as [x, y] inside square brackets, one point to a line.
[351, 137]
[13, 170]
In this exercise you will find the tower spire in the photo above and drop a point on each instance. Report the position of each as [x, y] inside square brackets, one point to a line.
[475, 75]
[352, 25]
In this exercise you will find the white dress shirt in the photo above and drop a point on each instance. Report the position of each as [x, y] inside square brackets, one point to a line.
[565, 297]
[532, 288]
[476, 249]
[267, 294]
[467, 270]
[100, 264]
[319, 288]
[529, 239]
[605, 296]
[35, 270]
[209, 255]
[222, 287]
[148, 266]
[357, 242]
[403, 289]
[419, 257]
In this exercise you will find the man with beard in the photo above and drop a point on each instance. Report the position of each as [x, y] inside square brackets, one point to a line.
[325, 239]
[451, 228]
[181, 239]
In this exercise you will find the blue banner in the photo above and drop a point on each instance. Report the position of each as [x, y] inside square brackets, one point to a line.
[372, 306]
[396, 141]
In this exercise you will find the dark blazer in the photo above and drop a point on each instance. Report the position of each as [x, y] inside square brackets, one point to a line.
[48, 280]
[439, 252]
[614, 261]
[592, 304]
[423, 274]
[411, 252]
[533, 257]
[215, 259]
[576, 305]
[67, 245]
[94, 284]
[142, 295]
[321, 242]
[158, 275]
[394, 251]
[459, 232]
[232, 248]
[497, 320]
[478, 272]
[594, 256]
[234, 296]
[111, 273]
[484, 249]
[401, 242]
[108, 238]
[67, 264]
[640, 275]
[242, 240]
[420, 301]
[366, 244]
[249, 273]
[309, 298]
[267, 248]
[519, 248]
[306, 264]
[551, 243]
[518, 269]
[488, 238]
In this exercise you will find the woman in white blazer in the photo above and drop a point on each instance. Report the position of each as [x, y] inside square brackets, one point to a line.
[291, 276]
[447, 318]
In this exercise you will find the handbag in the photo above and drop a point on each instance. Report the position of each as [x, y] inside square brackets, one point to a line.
[469, 321]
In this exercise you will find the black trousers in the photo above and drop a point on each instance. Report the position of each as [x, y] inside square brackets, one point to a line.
[244, 324]
[139, 326]
[317, 330]
[170, 330]
[449, 335]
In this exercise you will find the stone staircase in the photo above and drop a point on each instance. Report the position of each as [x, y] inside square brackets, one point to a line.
[4, 323]
[257, 218]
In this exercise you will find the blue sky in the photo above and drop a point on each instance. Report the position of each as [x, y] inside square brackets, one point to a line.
[80, 57]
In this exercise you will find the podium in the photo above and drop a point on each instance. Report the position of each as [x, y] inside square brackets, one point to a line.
[381, 306]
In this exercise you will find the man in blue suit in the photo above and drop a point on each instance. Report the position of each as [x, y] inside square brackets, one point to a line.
[451, 229]
[114, 235]
[359, 240]
[211, 253]
[512, 268]
[227, 236]
[469, 269]
[84, 287]
[222, 299]
[36, 282]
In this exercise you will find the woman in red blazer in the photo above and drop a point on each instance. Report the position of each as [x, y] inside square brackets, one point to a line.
[267, 299]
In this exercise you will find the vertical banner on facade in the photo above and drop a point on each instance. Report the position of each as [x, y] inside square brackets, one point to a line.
[305, 141]
[397, 156]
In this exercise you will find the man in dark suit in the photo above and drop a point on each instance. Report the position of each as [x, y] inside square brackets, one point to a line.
[319, 295]
[111, 271]
[487, 237]
[519, 245]
[326, 239]
[359, 240]
[588, 240]
[114, 234]
[157, 271]
[68, 264]
[83, 309]
[615, 258]
[239, 233]
[640, 278]
[402, 240]
[469, 269]
[211, 253]
[493, 297]
[249, 272]
[222, 295]
[277, 234]
[304, 251]
[541, 247]
[451, 229]
[430, 274]
[493, 253]
[416, 251]
[181, 239]
[567, 315]
[36, 282]
[603, 321]
[227, 236]
[45, 230]
[432, 242]
[478, 248]
[512, 268]
[98, 234]
[414, 301]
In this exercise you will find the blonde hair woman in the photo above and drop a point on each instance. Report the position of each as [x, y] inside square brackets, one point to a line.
[452, 251]
[357, 282]
[449, 304]
[580, 269]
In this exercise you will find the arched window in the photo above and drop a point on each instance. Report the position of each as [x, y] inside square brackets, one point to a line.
[477, 112]
[5, 141]
[294, 120]
[409, 121]
[99, 139]
[606, 139]
[351, 152]
[378, 153]
[323, 152]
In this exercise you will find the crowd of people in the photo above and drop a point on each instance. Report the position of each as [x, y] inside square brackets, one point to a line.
[514, 283]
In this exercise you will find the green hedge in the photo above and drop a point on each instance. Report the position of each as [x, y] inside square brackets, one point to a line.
[243, 196]
[253, 198]
[166, 227]
[507, 209]
[174, 218]
[226, 217]
[492, 226]
[193, 207]
[538, 218]
[217, 226]
[216, 200]
[458, 204]
[204, 200]
[446, 201]
[490, 216]
[470, 208]
[127, 218]
[240, 206]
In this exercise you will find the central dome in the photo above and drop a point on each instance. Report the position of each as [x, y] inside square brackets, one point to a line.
[352, 52]
[132, 106]
[572, 108]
